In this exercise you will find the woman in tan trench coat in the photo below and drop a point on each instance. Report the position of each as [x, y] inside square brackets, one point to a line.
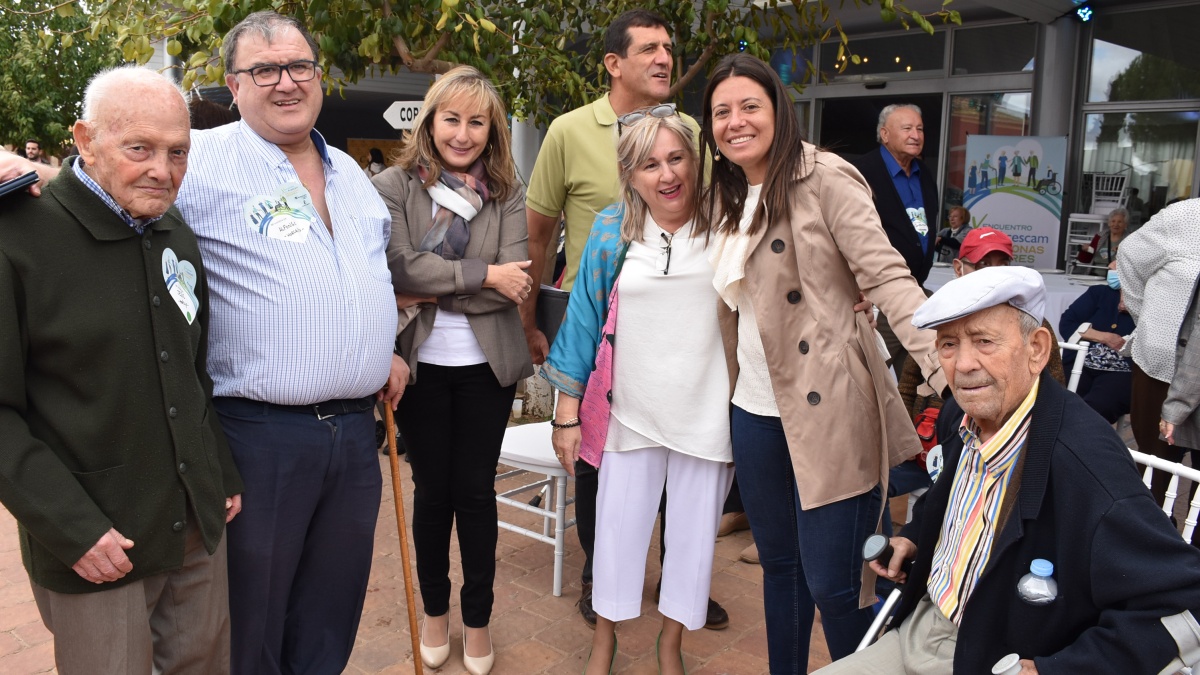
[816, 419]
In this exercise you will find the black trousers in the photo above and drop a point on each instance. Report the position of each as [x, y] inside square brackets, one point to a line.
[587, 486]
[453, 420]
[1107, 392]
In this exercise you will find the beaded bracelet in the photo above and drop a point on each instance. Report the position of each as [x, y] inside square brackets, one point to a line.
[565, 425]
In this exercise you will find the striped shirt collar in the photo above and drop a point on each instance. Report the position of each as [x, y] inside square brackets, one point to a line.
[138, 224]
[977, 494]
[274, 155]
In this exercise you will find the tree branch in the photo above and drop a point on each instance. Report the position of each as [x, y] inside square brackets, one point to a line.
[698, 66]
[429, 60]
[38, 12]
[398, 42]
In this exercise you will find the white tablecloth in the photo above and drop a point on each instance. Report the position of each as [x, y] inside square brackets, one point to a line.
[1061, 290]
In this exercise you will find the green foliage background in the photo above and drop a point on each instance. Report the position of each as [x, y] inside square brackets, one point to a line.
[43, 74]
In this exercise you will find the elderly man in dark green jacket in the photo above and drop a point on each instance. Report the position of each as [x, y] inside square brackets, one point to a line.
[111, 457]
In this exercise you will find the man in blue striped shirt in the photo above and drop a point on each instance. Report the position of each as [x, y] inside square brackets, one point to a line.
[300, 340]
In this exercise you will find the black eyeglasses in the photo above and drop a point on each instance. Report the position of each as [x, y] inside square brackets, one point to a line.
[664, 254]
[269, 76]
[660, 111]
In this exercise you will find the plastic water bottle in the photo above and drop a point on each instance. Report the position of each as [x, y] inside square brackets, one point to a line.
[1009, 665]
[1038, 587]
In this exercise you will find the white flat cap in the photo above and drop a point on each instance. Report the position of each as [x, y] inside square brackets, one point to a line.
[1020, 287]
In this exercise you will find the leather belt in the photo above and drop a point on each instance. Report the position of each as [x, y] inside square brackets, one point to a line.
[329, 409]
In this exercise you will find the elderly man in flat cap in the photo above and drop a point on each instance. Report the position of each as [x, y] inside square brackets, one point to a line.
[1031, 474]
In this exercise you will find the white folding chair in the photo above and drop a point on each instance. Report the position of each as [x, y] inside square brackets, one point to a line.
[1080, 348]
[1177, 471]
[1185, 635]
[1108, 193]
[527, 449]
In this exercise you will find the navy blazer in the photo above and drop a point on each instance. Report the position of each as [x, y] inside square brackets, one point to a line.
[895, 217]
[1119, 563]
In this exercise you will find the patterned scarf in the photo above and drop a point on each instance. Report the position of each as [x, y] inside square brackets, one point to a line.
[460, 197]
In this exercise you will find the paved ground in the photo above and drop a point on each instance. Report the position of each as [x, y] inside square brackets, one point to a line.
[533, 631]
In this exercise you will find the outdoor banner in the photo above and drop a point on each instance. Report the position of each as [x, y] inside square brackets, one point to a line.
[1014, 184]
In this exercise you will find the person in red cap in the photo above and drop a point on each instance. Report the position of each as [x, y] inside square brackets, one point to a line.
[983, 247]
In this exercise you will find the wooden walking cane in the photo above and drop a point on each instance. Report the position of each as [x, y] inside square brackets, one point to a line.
[398, 496]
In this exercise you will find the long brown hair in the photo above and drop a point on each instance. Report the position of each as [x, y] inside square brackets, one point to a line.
[497, 157]
[726, 194]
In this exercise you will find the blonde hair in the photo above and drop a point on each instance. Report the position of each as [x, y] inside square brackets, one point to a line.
[477, 91]
[633, 149]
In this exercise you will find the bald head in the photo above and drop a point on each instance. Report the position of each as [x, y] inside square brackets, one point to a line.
[116, 88]
[134, 138]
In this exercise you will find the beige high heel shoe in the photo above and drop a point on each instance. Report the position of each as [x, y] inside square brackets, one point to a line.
[478, 665]
[434, 657]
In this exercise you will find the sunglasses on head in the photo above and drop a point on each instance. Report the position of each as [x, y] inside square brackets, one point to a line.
[661, 110]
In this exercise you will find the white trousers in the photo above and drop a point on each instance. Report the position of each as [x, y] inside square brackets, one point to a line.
[631, 487]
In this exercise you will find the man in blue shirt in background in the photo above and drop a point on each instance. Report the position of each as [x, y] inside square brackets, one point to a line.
[906, 196]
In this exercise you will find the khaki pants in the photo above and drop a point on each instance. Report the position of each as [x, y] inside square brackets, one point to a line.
[923, 645]
[176, 622]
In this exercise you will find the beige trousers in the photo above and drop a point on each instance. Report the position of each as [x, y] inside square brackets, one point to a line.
[923, 645]
[176, 622]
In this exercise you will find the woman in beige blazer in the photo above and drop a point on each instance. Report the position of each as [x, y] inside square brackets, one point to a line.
[816, 420]
[457, 256]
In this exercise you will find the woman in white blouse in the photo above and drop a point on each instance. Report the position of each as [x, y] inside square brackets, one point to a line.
[669, 394]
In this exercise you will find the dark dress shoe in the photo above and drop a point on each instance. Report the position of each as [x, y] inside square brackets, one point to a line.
[381, 440]
[589, 614]
[718, 618]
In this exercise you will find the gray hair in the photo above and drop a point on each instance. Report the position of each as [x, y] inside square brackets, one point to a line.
[266, 24]
[1029, 323]
[887, 112]
[1119, 211]
[113, 82]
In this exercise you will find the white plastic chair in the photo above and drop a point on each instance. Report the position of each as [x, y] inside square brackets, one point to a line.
[527, 449]
[1080, 348]
[1177, 471]
[1108, 193]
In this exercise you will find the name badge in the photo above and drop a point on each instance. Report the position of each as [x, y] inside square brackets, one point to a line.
[180, 276]
[917, 216]
[933, 462]
[285, 215]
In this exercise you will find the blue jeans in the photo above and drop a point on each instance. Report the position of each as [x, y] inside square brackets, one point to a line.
[809, 557]
[904, 478]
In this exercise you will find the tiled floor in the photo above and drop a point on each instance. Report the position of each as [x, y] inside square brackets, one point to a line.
[533, 631]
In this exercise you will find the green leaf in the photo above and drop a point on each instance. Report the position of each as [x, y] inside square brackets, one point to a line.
[174, 47]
